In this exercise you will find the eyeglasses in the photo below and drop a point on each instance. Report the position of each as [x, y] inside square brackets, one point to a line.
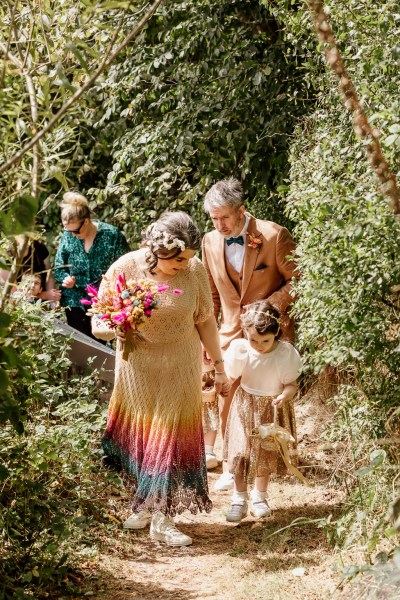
[75, 230]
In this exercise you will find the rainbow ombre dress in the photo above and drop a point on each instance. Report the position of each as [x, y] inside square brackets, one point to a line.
[154, 423]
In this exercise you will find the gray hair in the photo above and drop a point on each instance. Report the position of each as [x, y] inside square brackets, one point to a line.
[227, 192]
[170, 235]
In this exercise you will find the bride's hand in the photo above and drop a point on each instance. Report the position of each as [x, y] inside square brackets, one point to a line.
[121, 335]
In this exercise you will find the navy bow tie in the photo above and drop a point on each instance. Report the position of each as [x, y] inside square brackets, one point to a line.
[235, 240]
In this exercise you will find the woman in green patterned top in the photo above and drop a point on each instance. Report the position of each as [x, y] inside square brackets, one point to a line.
[86, 251]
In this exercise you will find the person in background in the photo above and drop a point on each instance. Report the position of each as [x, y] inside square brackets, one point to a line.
[247, 259]
[36, 261]
[86, 250]
[268, 369]
[32, 287]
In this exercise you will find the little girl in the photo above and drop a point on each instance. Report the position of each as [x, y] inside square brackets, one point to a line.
[268, 369]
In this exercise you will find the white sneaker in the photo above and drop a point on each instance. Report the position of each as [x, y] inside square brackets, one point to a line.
[163, 529]
[260, 509]
[211, 460]
[236, 513]
[225, 482]
[138, 520]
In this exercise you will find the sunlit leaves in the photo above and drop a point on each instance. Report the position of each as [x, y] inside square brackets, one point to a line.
[207, 93]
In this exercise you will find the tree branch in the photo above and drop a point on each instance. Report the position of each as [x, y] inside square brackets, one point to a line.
[361, 126]
[64, 109]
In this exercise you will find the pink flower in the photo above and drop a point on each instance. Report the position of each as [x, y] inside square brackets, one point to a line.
[117, 304]
[121, 279]
[148, 313]
[86, 302]
[91, 290]
[177, 292]
[104, 317]
[118, 287]
[119, 318]
[162, 287]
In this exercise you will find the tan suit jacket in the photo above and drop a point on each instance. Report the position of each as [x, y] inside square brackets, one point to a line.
[266, 274]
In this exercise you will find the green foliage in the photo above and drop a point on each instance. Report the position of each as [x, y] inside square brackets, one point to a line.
[49, 475]
[349, 245]
[208, 92]
[52, 52]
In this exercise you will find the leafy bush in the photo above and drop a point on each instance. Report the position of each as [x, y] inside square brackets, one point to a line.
[50, 474]
[208, 92]
[349, 242]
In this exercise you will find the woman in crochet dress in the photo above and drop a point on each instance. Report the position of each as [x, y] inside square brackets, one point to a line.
[154, 428]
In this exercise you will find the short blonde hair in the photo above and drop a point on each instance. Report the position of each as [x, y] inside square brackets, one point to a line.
[74, 207]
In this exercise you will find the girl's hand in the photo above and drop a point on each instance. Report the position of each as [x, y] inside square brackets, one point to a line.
[222, 384]
[279, 401]
[69, 281]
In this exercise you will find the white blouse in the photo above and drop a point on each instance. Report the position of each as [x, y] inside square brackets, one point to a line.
[262, 374]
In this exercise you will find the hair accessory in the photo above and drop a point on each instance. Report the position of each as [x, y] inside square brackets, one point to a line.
[166, 241]
[266, 314]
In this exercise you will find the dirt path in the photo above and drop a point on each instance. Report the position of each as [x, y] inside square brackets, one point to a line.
[234, 562]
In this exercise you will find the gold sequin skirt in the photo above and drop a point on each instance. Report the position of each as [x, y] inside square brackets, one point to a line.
[210, 409]
[244, 454]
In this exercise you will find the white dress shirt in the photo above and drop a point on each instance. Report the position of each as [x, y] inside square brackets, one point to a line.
[235, 252]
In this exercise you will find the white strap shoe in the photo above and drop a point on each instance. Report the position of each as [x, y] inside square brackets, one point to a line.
[236, 513]
[260, 509]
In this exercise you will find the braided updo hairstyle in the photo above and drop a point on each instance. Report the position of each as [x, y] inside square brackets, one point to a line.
[74, 207]
[170, 235]
[263, 317]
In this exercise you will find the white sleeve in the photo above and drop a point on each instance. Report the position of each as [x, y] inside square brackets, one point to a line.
[235, 358]
[291, 365]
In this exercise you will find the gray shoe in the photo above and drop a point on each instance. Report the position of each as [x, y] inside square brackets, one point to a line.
[236, 513]
[260, 509]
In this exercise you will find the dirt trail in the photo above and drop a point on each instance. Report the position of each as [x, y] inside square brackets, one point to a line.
[236, 562]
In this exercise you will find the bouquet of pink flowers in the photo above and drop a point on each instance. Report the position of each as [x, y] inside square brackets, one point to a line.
[125, 306]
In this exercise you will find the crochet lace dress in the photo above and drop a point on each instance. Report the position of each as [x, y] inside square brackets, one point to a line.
[154, 426]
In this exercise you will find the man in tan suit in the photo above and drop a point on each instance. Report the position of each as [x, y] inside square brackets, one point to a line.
[247, 259]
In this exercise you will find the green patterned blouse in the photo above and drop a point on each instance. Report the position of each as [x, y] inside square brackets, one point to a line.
[88, 267]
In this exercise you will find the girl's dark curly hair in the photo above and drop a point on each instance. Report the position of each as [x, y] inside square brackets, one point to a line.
[263, 317]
